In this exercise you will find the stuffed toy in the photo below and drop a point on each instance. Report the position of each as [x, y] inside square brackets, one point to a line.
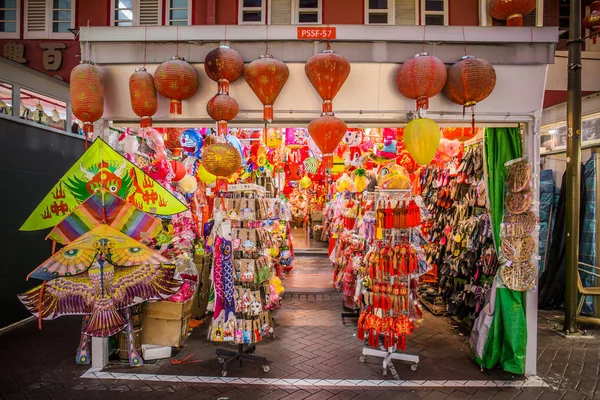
[354, 157]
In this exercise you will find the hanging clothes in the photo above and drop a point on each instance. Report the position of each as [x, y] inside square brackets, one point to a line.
[547, 210]
[587, 235]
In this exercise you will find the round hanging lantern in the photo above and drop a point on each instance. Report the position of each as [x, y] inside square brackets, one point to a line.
[327, 71]
[511, 10]
[460, 134]
[142, 92]
[178, 169]
[224, 66]
[221, 160]
[592, 20]
[87, 94]
[222, 108]
[266, 77]
[420, 78]
[327, 131]
[470, 81]
[176, 80]
[422, 137]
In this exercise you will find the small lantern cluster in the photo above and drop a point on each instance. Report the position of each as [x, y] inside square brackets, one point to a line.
[87, 94]
[511, 10]
[177, 80]
[224, 66]
[327, 71]
[592, 20]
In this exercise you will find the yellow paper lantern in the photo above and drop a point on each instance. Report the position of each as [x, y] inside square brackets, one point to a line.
[422, 138]
[305, 182]
[205, 176]
[222, 159]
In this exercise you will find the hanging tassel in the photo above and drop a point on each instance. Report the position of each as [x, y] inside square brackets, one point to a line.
[145, 122]
[268, 113]
[223, 86]
[175, 107]
[222, 128]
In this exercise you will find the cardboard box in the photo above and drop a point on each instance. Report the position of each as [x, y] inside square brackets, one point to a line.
[152, 352]
[166, 323]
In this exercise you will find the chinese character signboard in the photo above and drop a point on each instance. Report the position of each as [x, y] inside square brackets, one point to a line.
[56, 59]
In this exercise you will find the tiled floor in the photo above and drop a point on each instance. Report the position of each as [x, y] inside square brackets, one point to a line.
[313, 356]
[310, 274]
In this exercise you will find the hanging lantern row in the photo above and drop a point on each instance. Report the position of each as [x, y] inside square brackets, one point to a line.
[224, 66]
[87, 94]
[511, 10]
[592, 20]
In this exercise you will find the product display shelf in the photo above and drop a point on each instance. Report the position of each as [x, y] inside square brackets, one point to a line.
[392, 236]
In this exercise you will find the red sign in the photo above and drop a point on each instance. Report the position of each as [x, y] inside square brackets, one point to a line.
[312, 33]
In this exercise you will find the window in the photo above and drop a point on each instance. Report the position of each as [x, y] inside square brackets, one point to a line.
[308, 11]
[179, 12]
[435, 12]
[49, 19]
[9, 19]
[42, 109]
[252, 12]
[147, 12]
[379, 12]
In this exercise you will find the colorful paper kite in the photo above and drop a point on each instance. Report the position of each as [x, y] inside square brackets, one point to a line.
[101, 292]
[100, 243]
[101, 167]
[104, 207]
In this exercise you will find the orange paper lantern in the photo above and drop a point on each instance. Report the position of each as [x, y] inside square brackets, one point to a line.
[592, 20]
[511, 10]
[176, 80]
[420, 78]
[327, 71]
[460, 134]
[87, 94]
[178, 169]
[222, 108]
[266, 77]
[327, 131]
[224, 65]
[142, 92]
[470, 81]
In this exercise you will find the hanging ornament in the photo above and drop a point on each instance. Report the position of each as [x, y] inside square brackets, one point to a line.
[274, 138]
[266, 77]
[405, 160]
[327, 71]
[176, 80]
[461, 134]
[511, 10]
[305, 182]
[205, 176]
[222, 108]
[470, 81]
[221, 160]
[420, 78]
[224, 66]
[592, 20]
[327, 131]
[422, 137]
[178, 169]
[142, 92]
[87, 94]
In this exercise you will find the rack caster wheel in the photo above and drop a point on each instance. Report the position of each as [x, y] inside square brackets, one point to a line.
[221, 360]
[223, 373]
[362, 359]
[266, 368]
[414, 367]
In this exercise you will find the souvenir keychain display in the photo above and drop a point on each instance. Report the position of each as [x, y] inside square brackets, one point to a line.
[461, 246]
[389, 279]
[518, 245]
[244, 272]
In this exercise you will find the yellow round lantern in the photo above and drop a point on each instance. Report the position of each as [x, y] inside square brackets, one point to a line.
[205, 176]
[222, 159]
[305, 182]
[422, 138]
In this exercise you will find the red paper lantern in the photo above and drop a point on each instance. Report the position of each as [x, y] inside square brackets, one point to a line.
[420, 78]
[592, 21]
[142, 92]
[470, 81]
[176, 80]
[460, 134]
[173, 135]
[511, 10]
[327, 131]
[222, 108]
[327, 71]
[224, 65]
[178, 169]
[266, 77]
[87, 94]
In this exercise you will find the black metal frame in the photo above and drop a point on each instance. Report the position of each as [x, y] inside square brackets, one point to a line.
[242, 354]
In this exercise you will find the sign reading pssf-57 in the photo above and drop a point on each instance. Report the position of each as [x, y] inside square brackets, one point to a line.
[312, 33]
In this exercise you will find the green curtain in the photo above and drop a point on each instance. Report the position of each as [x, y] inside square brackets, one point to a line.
[507, 340]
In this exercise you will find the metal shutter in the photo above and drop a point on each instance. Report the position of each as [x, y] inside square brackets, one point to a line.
[149, 12]
[36, 17]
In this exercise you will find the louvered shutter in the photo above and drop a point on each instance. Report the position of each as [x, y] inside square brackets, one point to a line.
[149, 12]
[36, 19]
